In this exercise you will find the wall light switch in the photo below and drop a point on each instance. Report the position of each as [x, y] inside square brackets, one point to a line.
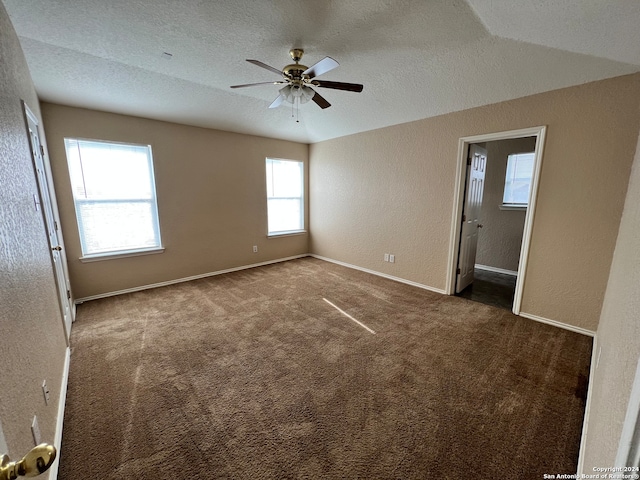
[35, 430]
[46, 392]
[392, 258]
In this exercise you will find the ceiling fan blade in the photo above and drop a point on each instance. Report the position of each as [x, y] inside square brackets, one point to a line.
[254, 84]
[277, 102]
[264, 65]
[323, 66]
[350, 87]
[321, 101]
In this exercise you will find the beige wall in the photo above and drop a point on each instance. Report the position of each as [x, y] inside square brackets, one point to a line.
[618, 336]
[500, 239]
[391, 190]
[211, 192]
[32, 342]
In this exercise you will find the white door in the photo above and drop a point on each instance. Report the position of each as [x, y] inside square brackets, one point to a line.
[45, 203]
[476, 166]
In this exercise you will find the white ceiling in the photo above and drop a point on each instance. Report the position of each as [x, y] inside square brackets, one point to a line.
[416, 58]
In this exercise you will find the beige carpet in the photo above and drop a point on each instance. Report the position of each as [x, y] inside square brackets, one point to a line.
[253, 375]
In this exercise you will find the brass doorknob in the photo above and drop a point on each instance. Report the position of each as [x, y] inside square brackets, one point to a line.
[37, 461]
[57, 248]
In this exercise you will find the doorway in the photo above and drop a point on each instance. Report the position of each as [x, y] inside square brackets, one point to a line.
[45, 203]
[487, 263]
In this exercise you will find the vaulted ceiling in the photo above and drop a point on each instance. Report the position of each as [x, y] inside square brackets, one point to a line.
[416, 58]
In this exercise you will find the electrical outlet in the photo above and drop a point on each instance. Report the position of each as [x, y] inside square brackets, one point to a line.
[47, 393]
[386, 257]
[35, 431]
[255, 249]
[392, 258]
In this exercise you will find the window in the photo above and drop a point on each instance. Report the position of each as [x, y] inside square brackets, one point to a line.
[518, 180]
[114, 195]
[285, 196]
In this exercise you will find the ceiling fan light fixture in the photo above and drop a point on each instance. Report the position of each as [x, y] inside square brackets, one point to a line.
[306, 94]
[296, 93]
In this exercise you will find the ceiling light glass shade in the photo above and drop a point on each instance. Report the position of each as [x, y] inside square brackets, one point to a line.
[292, 92]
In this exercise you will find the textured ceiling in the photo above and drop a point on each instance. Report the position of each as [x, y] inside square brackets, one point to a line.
[416, 58]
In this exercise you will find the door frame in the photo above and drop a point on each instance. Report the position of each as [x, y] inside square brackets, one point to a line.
[459, 191]
[64, 291]
[628, 454]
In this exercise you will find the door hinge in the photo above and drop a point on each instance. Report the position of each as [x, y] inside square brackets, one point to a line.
[458, 271]
[469, 161]
[464, 217]
[68, 295]
[42, 150]
[55, 225]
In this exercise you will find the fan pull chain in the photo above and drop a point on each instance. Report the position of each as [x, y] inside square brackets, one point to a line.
[295, 106]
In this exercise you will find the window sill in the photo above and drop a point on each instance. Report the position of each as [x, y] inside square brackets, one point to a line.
[286, 234]
[110, 256]
[513, 207]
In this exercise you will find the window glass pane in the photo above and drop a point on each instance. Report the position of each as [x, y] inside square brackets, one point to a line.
[285, 199]
[269, 178]
[286, 179]
[107, 170]
[284, 215]
[518, 179]
[114, 195]
[109, 226]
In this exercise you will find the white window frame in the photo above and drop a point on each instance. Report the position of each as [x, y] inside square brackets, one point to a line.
[153, 202]
[301, 198]
[516, 206]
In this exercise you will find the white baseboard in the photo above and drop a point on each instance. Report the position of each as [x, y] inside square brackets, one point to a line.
[496, 270]
[587, 407]
[185, 279]
[380, 274]
[57, 441]
[555, 323]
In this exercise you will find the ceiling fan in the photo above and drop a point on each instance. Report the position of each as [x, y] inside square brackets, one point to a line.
[298, 80]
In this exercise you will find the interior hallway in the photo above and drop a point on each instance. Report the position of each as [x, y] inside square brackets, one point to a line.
[491, 288]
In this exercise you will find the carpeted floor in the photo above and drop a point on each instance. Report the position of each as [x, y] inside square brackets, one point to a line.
[253, 375]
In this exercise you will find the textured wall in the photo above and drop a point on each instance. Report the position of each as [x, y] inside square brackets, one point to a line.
[618, 336]
[211, 193]
[391, 190]
[32, 342]
[500, 239]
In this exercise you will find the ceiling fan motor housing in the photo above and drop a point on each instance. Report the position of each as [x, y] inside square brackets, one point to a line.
[294, 71]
